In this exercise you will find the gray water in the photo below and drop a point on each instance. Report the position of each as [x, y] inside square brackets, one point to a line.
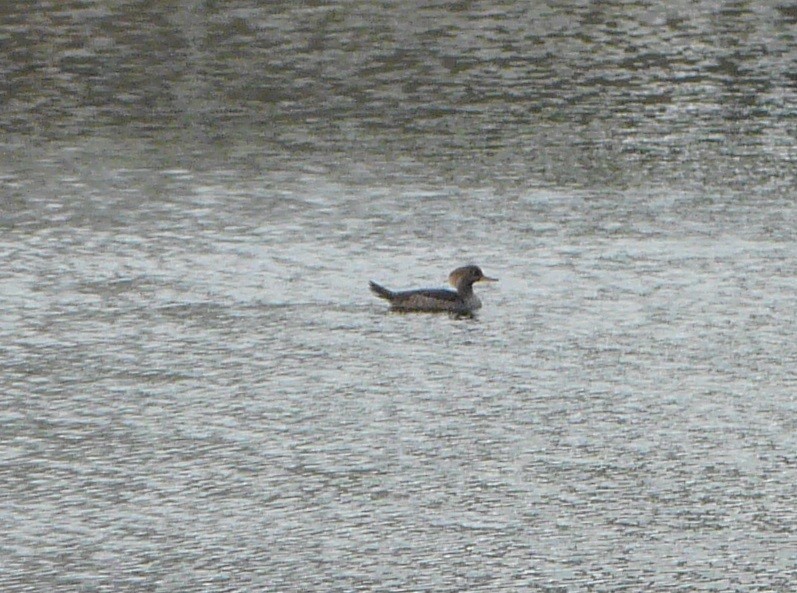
[198, 392]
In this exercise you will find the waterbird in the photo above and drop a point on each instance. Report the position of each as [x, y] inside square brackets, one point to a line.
[433, 300]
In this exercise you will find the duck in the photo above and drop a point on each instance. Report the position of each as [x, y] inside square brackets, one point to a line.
[462, 301]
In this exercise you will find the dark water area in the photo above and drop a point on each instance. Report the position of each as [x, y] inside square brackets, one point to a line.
[609, 94]
[198, 392]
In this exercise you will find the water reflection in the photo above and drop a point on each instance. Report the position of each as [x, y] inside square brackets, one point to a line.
[577, 94]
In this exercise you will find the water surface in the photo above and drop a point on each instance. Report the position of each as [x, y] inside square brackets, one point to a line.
[199, 393]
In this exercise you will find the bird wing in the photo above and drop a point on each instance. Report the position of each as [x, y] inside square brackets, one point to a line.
[429, 299]
[437, 294]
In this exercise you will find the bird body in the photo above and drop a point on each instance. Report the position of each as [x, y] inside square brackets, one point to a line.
[463, 301]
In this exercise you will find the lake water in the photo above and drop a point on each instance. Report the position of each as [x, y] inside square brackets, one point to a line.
[198, 392]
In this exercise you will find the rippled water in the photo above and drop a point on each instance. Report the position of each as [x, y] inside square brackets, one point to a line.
[198, 392]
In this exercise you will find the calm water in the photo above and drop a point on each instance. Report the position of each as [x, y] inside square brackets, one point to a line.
[198, 393]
